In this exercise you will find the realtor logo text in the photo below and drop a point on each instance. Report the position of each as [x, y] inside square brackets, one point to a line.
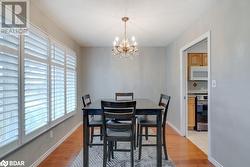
[4, 163]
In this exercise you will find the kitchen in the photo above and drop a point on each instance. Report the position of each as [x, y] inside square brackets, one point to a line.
[197, 84]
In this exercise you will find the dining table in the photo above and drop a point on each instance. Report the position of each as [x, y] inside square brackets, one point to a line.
[143, 107]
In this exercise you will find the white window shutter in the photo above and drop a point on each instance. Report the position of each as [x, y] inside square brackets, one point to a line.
[36, 81]
[71, 82]
[9, 81]
[57, 82]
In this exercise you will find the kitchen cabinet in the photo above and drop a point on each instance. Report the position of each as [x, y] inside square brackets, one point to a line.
[204, 59]
[197, 59]
[191, 112]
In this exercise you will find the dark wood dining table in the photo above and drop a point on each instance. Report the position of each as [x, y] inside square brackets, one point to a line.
[143, 107]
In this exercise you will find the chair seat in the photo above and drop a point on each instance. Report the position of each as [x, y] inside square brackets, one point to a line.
[95, 121]
[148, 123]
[148, 120]
[116, 133]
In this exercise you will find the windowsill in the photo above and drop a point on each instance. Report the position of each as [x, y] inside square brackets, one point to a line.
[36, 134]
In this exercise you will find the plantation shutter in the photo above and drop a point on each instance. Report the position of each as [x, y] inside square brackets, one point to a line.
[9, 84]
[71, 82]
[57, 82]
[36, 81]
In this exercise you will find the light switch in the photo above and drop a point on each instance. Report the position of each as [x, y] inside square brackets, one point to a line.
[213, 83]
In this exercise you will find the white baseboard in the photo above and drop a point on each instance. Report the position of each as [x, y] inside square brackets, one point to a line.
[214, 162]
[177, 130]
[47, 153]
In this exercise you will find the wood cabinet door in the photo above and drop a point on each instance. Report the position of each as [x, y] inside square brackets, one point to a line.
[204, 59]
[195, 59]
[191, 112]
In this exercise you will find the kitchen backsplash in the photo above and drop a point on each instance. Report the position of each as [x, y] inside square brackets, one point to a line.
[197, 85]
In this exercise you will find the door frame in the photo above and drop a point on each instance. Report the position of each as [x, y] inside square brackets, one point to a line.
[183, 86]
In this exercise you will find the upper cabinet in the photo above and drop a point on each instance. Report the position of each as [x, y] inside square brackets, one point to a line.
[204, 59]
[197, 59]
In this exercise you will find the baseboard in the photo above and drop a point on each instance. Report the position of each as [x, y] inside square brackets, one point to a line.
[47, 153]
[172, 126]
[214, 162]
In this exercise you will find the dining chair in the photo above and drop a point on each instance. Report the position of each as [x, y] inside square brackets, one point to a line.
[93, 121]
[128, 96]
[150, 123]
[124, 96]
[122, 131]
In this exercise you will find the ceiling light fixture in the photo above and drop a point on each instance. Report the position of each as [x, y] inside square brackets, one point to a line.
[125, 47]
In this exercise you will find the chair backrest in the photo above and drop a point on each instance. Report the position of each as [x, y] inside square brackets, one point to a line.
[124, 96]
[86, 100]
[124, 112]
[164, 102]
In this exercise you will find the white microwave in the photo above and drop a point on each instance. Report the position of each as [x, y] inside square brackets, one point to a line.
[198, 73]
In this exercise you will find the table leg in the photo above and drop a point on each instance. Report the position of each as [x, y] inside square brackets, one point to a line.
[85, 141]
[159, 140]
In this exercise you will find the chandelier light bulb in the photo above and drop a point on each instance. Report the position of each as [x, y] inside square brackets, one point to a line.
[117, 39]
[133, 38]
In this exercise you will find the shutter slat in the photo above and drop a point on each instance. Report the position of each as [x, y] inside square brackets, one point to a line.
[71, 83]
[36, 81]
[9, 73]
[57, 93]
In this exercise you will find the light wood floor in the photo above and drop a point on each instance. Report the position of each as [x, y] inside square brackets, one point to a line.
[180, 149]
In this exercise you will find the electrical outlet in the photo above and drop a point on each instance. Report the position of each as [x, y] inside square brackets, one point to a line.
[214, 84]
[51, 134]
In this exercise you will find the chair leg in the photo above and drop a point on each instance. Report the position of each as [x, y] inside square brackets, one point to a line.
[92, 134]
[104, 152]
[164, 143]
[132, 153]
[112, 149]
[140, 143]
[134, 138]
[100, 133]
[146, 133]
[137, 134]
[109, 150]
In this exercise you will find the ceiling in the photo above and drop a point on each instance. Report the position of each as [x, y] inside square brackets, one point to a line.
[96, 22]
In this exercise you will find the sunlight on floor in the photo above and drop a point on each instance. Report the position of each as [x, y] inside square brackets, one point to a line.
[200, 139]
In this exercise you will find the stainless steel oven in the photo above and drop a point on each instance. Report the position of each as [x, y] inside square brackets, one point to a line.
[201, 113]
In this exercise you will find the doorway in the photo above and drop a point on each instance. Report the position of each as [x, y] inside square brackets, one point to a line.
[195, 92]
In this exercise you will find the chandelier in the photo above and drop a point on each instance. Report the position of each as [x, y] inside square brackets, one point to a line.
[125, 47]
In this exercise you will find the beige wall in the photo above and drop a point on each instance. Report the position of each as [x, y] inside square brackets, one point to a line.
[229, 24]
[36, 148]
[105, 74]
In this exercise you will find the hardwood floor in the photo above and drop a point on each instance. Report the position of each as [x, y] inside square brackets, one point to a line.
[183, 152]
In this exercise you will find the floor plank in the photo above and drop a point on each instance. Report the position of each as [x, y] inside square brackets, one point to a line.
[183, 152]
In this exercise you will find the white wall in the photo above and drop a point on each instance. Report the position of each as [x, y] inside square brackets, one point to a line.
[104, 74]
[229, 24]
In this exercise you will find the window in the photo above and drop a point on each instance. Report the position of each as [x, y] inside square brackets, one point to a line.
[57, 82]
[9, 84]
[37, 87]
[35, 81]
[71, 82]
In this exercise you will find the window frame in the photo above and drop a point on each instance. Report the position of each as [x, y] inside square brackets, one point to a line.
[22, 138]
[7, 148]
[71, 53]
[41, 130]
